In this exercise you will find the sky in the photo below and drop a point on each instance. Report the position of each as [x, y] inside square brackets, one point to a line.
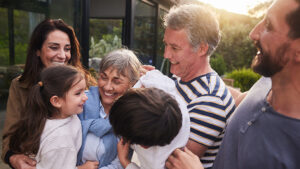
[237, 6]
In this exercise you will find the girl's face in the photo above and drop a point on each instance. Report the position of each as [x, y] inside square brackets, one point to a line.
[111, 86]
[74, 99]
[56, 49]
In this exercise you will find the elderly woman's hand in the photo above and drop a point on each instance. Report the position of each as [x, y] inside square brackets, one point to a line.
[183, 160]
[123, 151]
[89, 165]
[145, 69]
[21, 161]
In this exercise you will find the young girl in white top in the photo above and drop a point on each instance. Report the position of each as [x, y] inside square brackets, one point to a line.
[50, 131]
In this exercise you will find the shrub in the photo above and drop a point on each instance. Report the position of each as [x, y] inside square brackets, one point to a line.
[218, 64]
[243, 78]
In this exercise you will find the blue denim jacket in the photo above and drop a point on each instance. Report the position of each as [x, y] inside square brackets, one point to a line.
[92, 122]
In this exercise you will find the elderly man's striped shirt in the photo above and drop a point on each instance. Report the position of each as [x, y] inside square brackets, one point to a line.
[210, 105]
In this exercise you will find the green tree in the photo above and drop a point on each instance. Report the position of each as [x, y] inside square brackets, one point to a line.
[260, 9]
[235, 46]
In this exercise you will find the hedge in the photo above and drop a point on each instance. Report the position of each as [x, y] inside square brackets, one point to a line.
[243, 78]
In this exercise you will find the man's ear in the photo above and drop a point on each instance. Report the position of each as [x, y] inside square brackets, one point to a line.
[55, 101]
[202, 49]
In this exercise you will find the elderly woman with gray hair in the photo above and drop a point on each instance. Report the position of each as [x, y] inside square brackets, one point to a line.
[119, 71]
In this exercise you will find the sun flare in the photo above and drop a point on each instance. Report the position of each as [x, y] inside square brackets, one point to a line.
[236, 6]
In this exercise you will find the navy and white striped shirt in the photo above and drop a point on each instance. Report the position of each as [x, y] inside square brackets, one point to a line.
[210, 105]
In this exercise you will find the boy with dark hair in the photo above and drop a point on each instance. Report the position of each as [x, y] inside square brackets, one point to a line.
[146, 116]
[153, 121]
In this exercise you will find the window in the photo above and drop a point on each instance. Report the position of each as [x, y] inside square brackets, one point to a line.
[144, 31]
[24, 24]
[4, 39]
[162, 64]
[16, 28]
[105, 36]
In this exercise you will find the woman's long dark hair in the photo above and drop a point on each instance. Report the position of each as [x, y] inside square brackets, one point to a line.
[34, 65]
[55, 81]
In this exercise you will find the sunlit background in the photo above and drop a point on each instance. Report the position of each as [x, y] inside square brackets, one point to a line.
[236, 6]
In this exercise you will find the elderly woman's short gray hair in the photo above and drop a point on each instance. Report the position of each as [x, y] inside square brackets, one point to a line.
[200, 24]
[124, 61]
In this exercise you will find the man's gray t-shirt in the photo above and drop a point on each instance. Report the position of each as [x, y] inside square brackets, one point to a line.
[258, 137]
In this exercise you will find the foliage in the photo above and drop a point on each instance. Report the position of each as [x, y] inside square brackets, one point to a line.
[93, 72]
[243, 78]
[4, 38]
[105, 36]
[235, 46]
[20, 53]
[144, 38]
[21, 36]
[218, 64]
[165, 67]
[4, 56]
[100, 27]
[104, 46]
[260, 9]
[160, 44]
[7, 74]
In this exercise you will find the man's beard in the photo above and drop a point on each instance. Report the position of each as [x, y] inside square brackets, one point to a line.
[266, 65]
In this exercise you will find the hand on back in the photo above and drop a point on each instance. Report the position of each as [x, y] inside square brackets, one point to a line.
[89, 165]
[145, 68]
[21, 161]
[123, 151]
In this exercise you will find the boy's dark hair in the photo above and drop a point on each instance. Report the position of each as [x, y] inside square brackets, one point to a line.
[55, 80]
[146, 116]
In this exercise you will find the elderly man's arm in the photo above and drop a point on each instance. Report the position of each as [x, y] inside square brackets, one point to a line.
[208, 116]
[240, 98]
[234, 92]
[196, 148]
